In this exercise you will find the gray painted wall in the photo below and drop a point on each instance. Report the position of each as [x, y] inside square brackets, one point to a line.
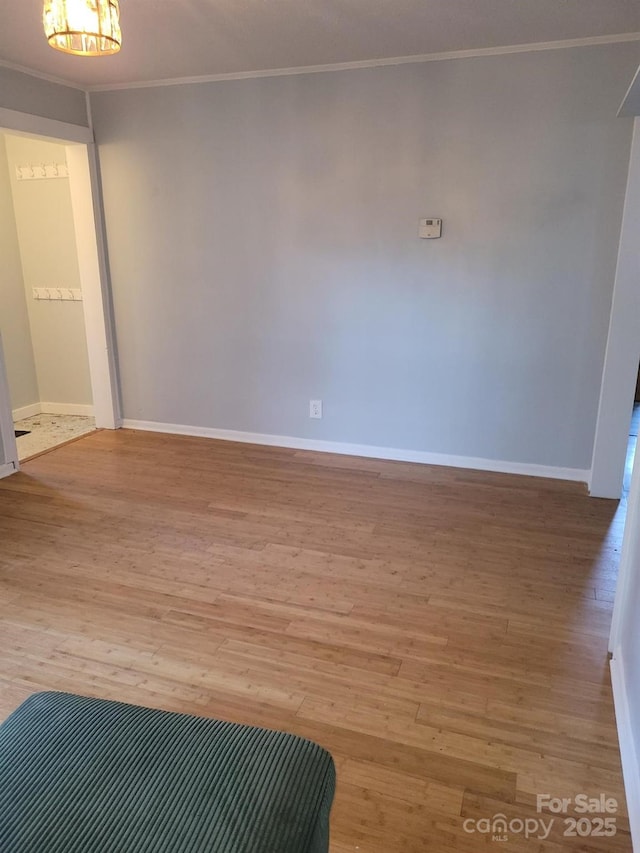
[263, 247]
[14, 319]
[46, 236]
[28, 94]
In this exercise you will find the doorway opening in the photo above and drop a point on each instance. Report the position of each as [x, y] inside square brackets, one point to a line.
[632, 445]
[623, 348]
[57, 365]
[43, 328]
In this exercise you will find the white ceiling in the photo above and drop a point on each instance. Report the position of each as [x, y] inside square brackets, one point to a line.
[166, 39]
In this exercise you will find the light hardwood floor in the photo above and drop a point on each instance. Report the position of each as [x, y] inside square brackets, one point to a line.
[442, 632]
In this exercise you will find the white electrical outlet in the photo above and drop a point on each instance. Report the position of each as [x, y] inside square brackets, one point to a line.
[315, 408]
[430, 229]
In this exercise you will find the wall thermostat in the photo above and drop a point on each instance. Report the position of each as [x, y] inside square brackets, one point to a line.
[430, 229]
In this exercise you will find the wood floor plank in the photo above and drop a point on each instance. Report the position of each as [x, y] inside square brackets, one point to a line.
[443, 632]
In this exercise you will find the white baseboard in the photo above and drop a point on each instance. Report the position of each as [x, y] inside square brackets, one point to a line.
[628, 747]
[367, 450]
[66, 409]
[6, 469]
[26, 411]
[52, 409]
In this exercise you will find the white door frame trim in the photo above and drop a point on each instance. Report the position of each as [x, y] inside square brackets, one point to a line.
[12, 120]
[628, 560]
[623, 347]
[10, 463]
[89, 227]
[83, 183]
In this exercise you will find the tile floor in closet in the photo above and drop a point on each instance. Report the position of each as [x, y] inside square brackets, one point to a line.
[48, 431]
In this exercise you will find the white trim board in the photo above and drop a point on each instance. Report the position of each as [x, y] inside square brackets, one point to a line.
[26, 411]
[620, 368]
[7, 469]
[67, 409]
[372, 63]
[628, 754]
[367, 450]
[40, 75]
[84, 186]
[615, 38]
[630, 100]
[53, 409]
[40, 126]
[7, 434]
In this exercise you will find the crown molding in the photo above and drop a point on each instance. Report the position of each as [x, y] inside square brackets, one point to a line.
[372, 63]
[40, 75]
[336, 66]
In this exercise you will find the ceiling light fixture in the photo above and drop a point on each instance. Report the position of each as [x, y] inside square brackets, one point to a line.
[83, 27]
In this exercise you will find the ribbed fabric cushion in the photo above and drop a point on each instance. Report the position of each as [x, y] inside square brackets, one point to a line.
[89, 776]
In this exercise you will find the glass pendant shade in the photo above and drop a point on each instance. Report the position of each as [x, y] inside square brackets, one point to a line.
[83, 27]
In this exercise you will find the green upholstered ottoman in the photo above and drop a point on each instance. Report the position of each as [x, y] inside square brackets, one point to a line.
[82, 775]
